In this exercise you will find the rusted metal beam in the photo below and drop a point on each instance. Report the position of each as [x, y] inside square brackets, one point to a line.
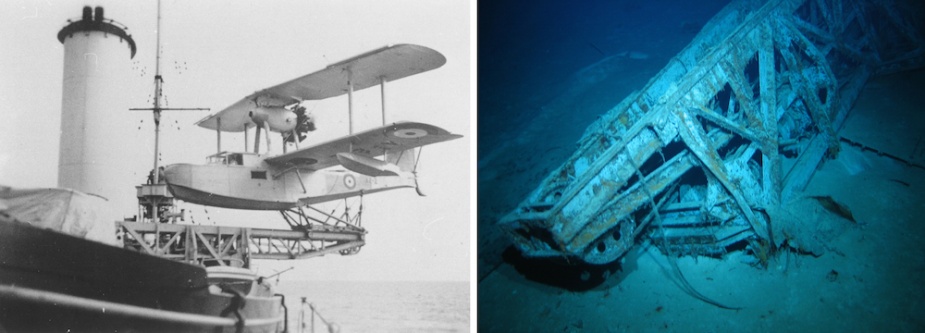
[753, 78]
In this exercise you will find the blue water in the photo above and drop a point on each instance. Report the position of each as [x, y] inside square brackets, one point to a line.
[528, 50]
[388, 306]
[549, 68]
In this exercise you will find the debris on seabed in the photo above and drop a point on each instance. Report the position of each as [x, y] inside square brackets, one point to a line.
[835, 207]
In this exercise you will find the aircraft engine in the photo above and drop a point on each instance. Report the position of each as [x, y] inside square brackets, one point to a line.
[305, 122]
[279, 119]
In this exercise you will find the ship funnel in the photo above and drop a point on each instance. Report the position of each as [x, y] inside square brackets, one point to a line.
[94, 112]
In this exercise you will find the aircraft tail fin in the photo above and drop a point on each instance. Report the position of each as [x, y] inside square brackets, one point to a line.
[405, 159]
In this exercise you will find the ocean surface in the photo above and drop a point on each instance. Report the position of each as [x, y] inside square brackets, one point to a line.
[376, 306]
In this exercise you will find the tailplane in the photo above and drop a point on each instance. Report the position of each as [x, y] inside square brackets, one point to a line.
[407, 161]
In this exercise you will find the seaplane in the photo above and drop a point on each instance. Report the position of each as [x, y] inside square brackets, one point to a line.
[365, 162]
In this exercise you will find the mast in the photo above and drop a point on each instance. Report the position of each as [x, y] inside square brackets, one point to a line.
[152, 193]
[158, 81]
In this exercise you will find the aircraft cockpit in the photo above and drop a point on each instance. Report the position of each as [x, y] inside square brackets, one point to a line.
[229, 158]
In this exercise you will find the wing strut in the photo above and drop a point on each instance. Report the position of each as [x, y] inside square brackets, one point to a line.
[350, 98]
[382, 92]
[299, 174]
[266, 129]
[245, 138]
[256, 140]
[350, 104]
[296, 137]
[218, 134]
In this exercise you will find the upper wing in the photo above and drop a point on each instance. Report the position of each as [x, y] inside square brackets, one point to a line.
[366, 70]
[390, 62]
[234, 118]
[375, 142]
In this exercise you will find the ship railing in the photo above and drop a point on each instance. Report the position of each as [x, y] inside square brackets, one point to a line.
[17, 293]
[331, 327]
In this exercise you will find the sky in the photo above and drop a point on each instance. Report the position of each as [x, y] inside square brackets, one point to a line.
[217, 52]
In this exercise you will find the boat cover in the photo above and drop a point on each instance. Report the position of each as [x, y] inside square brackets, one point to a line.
[64, 210]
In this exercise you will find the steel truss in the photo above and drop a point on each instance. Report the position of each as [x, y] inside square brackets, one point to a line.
[733, 125]
[313, 221]
[234, 246]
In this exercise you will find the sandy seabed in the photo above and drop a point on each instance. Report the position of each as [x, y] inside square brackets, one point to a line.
[870, 276]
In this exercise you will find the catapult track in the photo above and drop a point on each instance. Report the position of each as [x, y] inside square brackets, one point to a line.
[233, 246]
[733, 125]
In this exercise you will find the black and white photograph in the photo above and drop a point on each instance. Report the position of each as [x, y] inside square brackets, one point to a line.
[247, 166]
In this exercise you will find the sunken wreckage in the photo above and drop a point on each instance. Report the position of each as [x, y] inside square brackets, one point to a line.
[702, 157]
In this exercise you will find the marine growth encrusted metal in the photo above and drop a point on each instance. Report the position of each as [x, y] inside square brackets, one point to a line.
[734, 124]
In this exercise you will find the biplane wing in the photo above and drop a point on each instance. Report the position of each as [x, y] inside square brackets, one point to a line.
[389, 63]
[234, 118]
[375, 142]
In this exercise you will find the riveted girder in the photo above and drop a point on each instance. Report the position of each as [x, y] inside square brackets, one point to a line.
[733, 125]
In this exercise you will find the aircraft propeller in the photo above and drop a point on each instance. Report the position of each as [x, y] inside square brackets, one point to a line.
[304, 123]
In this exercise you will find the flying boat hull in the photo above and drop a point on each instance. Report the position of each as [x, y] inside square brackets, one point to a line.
[267, 188]
[217, 200]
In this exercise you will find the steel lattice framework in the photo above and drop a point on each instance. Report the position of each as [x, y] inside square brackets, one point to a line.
[236, 246]
[736, 122]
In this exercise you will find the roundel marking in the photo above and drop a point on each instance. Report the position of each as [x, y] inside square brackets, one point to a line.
[349, 181]
[410, 133]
